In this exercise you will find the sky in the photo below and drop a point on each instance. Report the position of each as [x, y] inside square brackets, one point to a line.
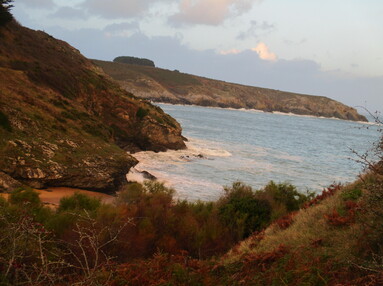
[329, 48]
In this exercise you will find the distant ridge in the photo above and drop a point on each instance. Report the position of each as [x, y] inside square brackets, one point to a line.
[161, 85]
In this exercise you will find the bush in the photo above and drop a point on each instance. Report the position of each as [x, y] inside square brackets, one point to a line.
[141, 113]
[283, 198]
[4, 122]
[242, 211]
[79, 202]
[25, 197]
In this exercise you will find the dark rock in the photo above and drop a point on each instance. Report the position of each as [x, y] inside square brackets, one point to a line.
[148, 176]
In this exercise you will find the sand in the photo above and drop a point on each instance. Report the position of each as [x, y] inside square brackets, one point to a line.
[52, 196]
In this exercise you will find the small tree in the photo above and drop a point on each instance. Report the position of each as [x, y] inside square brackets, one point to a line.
[5, 15]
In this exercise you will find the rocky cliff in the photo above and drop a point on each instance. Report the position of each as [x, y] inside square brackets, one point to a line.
[64, 123]
[161, 85]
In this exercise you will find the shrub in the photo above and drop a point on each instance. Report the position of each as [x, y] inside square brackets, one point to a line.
[242, 211]
[288, 195]
[352, 194]
[79, 202]
[4, 122]
[25, 197]
[141, 113]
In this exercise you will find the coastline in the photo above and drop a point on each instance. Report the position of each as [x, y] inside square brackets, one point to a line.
[262, 111]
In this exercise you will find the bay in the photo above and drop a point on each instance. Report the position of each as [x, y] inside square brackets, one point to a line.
[255, 147]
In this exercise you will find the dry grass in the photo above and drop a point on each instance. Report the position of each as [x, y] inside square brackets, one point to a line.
[310, 228]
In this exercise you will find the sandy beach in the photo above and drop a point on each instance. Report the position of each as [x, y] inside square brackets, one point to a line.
[52, 196]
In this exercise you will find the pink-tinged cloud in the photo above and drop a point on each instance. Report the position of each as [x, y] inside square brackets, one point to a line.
[264, 53]
[210, 12]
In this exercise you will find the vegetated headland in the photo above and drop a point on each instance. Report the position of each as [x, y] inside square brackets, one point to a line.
[161, 85]
[64, 123]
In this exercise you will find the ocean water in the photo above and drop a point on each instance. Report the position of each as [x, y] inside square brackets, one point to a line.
[254, 147]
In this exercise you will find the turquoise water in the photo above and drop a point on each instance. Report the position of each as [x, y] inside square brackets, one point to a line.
[255, 147]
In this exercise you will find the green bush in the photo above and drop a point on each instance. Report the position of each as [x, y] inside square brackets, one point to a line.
[79, 202]
[242, 211]
[352, 194]
[288, 195]
[25, 197]
[4, 122]
[141, 113]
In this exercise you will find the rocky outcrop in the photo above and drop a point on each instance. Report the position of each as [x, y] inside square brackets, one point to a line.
[7, 183]
[161, 85]
[63, 122]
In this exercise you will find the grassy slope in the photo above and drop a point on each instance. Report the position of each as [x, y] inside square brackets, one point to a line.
[174, 87]
[335, 240]
[59, 114]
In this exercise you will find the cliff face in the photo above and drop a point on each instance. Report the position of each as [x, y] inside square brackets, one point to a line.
[64, 123]
[161, 85]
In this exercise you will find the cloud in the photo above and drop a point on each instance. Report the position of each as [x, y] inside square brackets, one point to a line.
[69, 13]
[125, 29]
[255, 29]
[116, 8]
[209, 12]
[37, 4]
[246, 67]
[228, 52]
[264, 53]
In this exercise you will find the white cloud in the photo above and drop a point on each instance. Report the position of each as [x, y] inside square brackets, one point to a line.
[210, 12]
[264, 53]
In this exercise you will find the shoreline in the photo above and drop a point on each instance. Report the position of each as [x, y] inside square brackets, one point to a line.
[266, 112]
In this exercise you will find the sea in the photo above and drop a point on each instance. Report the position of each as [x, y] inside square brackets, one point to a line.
[255, 147]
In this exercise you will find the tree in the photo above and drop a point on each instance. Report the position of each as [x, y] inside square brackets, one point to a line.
[5, 15]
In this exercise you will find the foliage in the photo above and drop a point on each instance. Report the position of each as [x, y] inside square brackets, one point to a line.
[25, 197]
[141, 113]
[4, 122]
[5, 15]
[156, 240]
[242, 211]
[78, 202]
[283, 198]
[134, 61]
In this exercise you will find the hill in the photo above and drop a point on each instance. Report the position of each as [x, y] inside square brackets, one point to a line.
[160, 85]
[63, 122]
